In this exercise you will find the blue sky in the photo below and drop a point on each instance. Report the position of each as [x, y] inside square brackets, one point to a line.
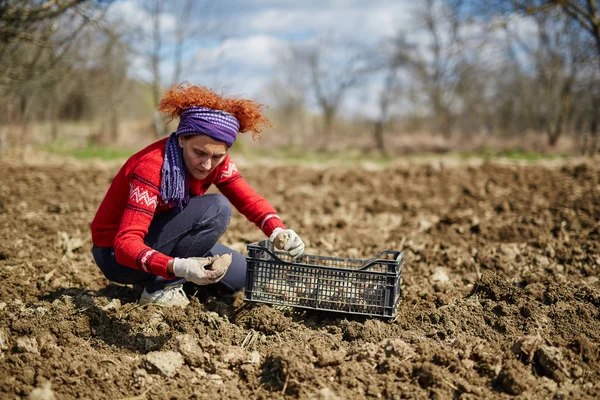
[242, 53]
[246, 38]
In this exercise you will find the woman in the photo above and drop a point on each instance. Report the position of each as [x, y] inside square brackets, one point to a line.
[157, 227]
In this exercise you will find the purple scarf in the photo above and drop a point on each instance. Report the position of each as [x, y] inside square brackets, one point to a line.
[217, 124]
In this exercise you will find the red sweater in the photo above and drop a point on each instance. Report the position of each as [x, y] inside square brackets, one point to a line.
[133, 199]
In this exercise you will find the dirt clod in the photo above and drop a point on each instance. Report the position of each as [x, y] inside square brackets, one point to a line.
[511, 378]
[114, 304]
[26, 345]
[328, 394]
[549, 361]
[526, 347]
[191, 351]
[3, 340]
[235, 356]
[166, 363]
[43, 393]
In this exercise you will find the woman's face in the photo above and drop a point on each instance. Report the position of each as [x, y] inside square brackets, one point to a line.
[202, 154]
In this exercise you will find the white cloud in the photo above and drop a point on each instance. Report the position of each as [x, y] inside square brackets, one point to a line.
[135, 16]
[241, 66]
[253, 52]
[364, 21]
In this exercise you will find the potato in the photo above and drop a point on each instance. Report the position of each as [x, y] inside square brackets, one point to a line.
[281, 240]
[221, 262]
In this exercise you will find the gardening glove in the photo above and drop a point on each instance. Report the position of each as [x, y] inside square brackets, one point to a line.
[288, 240]
[198, 270]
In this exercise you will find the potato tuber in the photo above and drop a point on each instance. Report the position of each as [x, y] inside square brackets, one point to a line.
[221, 262]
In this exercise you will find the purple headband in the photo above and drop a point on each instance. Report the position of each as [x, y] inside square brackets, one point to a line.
[217, 124]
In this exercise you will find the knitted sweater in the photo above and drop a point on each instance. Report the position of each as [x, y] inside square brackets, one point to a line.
[133, 199]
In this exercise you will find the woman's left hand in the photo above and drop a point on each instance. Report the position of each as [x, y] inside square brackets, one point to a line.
[288, 240]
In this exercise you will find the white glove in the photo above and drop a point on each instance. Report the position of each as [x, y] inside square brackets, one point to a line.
[288, 240]
[194, 269]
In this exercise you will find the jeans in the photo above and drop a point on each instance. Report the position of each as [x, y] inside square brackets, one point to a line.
[193, 232]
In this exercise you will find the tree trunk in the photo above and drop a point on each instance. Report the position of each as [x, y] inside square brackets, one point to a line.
[553, 138]
[379, 138]
[596, 32]
[580, 140]
[3, 141]
[114, 127]
[158, 126]
[25, 117]
[555, 131]
[328, 117]
[327, 122]
[594, 135]
[443, 123]
[54, 125]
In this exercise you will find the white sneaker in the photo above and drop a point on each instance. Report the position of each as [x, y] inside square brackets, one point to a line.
[171, 296]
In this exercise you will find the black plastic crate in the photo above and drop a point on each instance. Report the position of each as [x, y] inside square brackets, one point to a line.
[368, 287]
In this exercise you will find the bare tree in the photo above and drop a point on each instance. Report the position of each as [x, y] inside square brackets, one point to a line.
[548, 69]
[586, 114]
[586, 15]
[182, 31]
[438, 68]
[155, 58]
[32, 41]
[185, 11]
[396, 56]
[328, 75]
[36, 42]
[288, 100]
[548, 73]
[112, 86]
[20, 18]
[557, 65]
[583, 12]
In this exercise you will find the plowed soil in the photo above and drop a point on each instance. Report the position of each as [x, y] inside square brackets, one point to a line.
[501, 293]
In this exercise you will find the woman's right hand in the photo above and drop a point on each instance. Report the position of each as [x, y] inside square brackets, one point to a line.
[288, 240]
[195, 269]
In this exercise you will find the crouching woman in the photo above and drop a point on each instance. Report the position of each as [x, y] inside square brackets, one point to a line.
[156, 227]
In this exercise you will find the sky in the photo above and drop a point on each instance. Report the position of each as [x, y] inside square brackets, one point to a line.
[236, 46]
[246, 38]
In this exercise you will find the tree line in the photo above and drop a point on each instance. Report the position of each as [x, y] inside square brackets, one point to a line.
[498, 68]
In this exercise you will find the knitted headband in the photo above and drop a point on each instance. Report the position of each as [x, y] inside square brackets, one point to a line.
[217, 124]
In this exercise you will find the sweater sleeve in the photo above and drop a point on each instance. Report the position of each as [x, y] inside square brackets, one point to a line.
[253, 206]
[130, 249]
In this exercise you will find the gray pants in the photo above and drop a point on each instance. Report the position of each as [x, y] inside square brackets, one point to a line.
[193, 232]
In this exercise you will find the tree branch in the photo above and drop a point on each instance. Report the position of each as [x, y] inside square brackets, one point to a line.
[578, 14]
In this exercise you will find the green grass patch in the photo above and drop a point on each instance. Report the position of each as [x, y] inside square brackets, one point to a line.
[296, 156]
[526, 156]
[90, 152]
[516, 155]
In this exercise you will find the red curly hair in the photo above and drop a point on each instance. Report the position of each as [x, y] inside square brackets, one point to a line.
[182, 96]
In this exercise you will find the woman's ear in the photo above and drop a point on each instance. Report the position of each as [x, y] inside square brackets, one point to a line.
[180, 141]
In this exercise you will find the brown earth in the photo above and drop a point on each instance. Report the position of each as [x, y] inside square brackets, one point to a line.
[500, 297]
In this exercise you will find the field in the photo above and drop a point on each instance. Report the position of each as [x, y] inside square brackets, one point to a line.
[500, 298]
